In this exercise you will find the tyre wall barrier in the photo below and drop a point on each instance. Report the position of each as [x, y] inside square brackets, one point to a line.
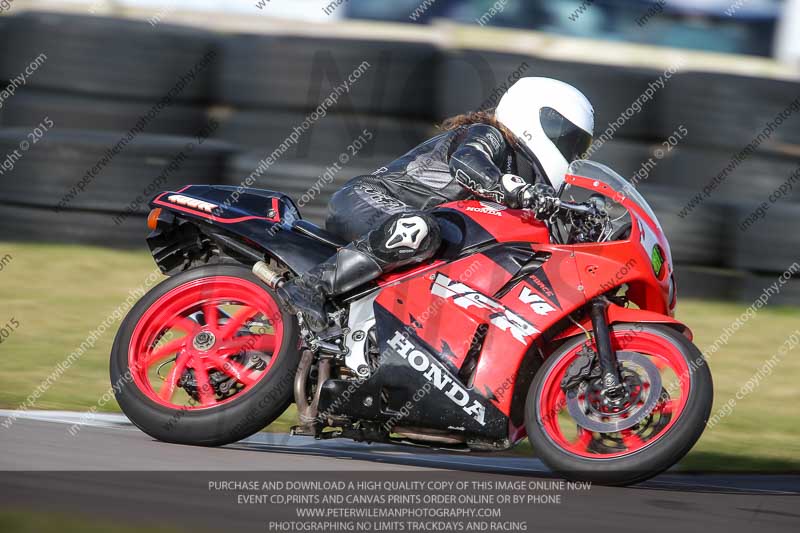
[136, 109]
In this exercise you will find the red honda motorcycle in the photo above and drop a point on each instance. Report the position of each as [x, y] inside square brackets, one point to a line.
[560, 330]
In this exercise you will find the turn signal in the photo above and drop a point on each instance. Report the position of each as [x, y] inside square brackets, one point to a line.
[152, 218]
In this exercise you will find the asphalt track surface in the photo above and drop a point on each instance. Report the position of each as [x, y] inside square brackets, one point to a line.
[111, 469]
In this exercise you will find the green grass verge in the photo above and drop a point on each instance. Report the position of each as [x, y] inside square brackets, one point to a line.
[58, 294]
[39, 522]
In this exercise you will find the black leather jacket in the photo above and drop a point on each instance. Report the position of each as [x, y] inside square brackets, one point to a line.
[455, 165]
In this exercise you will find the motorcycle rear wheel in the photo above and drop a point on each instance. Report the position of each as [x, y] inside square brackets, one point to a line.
[207, 357]
[664, 432]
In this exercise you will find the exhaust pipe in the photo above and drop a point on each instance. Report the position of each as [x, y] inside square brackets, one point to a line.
[263, 272]
[300, 380]
[308, 412]
[428, 435]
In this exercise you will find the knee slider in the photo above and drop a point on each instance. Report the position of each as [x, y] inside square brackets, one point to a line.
[413, 235]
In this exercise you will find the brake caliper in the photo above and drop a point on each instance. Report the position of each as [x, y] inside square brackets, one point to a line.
[584, 368]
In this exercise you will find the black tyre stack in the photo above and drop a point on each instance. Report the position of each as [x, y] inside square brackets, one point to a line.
[311, 113]
[103, 122]
[724, 114]
[475, 79]
[273, 86]
[689, 128]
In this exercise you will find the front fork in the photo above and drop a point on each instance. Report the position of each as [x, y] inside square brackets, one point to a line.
[609, 366]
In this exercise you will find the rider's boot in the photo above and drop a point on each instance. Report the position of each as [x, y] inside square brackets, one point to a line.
[402, 239]
[351, 267]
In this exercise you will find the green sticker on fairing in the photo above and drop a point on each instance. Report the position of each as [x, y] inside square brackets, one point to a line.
[657, 260]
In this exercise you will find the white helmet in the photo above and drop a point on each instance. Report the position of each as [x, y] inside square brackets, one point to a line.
[552, 120]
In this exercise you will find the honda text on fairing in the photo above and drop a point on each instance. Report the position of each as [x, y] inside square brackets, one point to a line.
[559, 328]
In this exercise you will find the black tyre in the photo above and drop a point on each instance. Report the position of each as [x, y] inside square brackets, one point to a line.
[369, 139]
[761, 238]
[386, 77]
[631, 159]
[753, 287]
[194, 409]
[75, 111]
[105, 171]
[39, 224]
[650, 437]
[696, 239]
[729, 111]
[716, 174]
[311, 186]
[109, 56]
[708, 283]
[476, 79]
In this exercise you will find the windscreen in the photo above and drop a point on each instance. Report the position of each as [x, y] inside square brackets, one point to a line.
[623, 188]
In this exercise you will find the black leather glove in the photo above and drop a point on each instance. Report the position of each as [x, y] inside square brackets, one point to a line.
[514, 190]
[521, 195]
[542, 200]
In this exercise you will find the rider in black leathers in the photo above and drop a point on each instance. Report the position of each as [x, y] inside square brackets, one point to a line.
[384, 214]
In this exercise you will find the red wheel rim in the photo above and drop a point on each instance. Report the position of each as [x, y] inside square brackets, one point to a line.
[213, 329]
[553, 417]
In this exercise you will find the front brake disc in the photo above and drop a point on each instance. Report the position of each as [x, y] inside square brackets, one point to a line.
[592, 417]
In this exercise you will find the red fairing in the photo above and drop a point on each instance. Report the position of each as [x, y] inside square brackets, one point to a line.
[441, 322]
[627, 261]
[543, 299]
[393, 277]
[504, 224]
[445, 304]
[429, 299]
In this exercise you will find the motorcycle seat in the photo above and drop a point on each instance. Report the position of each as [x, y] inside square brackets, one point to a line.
[311, 230]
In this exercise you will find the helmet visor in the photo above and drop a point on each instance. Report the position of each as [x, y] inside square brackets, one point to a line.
[570, 140]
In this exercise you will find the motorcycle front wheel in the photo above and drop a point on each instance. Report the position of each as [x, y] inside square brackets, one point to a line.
[582, 435]
[207, 357]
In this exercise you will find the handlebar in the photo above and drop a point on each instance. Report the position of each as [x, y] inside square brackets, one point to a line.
[549, 205]
[578, 208]
[587, 225]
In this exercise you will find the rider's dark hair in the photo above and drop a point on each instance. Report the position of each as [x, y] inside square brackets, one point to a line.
[478, 117]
